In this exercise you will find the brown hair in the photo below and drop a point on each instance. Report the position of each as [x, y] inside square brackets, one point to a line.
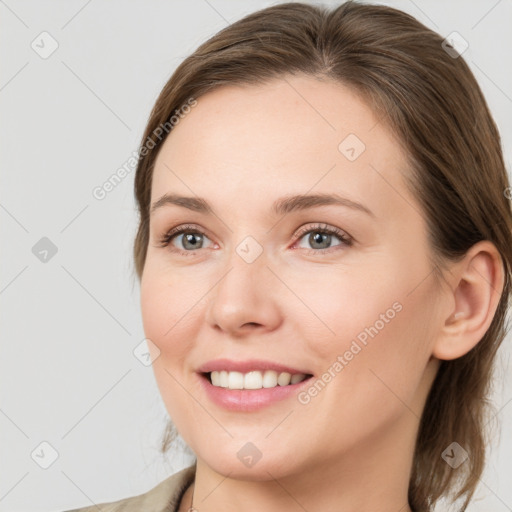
[432, 102]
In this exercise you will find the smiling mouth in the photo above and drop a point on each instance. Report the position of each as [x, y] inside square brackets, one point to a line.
[254, 379]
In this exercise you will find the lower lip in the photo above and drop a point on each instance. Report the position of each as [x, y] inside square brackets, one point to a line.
[248, 399]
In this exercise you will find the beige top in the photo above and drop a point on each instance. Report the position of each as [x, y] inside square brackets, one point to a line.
[164, 497]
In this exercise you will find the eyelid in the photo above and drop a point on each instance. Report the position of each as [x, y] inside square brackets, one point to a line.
[323, 227]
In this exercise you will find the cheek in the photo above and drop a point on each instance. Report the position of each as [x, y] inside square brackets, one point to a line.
[381, 334]
[156, 308]
[341, 305]
[379, 320]
[170, 319]
[169, 308]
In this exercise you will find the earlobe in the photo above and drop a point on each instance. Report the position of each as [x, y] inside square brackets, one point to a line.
[477, 283]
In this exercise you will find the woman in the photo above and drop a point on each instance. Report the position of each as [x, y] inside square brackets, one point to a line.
[324, 252]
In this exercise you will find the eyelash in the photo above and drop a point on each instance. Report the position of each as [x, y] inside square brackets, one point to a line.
[346, 240]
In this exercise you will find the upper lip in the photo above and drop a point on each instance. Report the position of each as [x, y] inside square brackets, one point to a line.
[247, 366]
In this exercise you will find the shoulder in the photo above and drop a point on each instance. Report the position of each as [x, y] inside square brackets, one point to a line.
[164, 497]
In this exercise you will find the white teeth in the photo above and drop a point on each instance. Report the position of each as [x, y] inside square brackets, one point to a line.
[224, 380]
[284, 379]
[235, 380]
[270, 379]
[215, 377]
[298, 377]
[254, 379]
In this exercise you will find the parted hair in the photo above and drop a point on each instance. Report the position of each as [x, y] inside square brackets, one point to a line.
[428, 97]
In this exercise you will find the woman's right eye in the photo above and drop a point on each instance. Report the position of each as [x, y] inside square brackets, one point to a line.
[190, 237]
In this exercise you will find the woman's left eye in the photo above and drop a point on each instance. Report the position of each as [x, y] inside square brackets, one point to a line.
[322, 235]
[319, 238]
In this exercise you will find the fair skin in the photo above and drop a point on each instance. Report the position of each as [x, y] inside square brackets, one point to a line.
[299, 303]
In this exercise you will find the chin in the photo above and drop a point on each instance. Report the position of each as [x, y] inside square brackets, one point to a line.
[241, 465]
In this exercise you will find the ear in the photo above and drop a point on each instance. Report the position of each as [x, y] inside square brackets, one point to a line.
[476, 285]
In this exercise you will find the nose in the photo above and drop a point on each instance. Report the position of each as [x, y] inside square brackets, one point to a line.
[246, 298]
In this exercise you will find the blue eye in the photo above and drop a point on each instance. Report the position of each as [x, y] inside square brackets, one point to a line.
[319, 236]
[191, 236]
[322, 235]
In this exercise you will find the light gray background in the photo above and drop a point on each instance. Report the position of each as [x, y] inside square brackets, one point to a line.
[69, 326]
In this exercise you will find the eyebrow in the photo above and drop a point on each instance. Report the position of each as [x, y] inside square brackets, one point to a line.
[281, 206]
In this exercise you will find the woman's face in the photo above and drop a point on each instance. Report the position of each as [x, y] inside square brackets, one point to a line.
[357, 309]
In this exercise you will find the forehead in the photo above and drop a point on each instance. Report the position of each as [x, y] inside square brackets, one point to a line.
[294, 134]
